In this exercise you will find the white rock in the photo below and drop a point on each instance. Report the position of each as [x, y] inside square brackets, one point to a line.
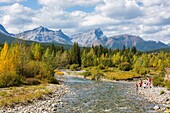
[156, 107]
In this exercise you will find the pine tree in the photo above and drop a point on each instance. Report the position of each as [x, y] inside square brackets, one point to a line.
[75, 57]
[133, 50]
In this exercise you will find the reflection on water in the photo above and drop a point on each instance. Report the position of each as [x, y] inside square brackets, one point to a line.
[88, 96]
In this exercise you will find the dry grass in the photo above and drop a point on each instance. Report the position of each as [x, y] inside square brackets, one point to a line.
[58, 72]
[121, 75]
[13, 95]
[114, 73]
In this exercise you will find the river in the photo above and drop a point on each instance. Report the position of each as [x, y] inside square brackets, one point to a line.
[86, 96]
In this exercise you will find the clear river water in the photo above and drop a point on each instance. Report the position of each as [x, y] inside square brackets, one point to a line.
[87, 96]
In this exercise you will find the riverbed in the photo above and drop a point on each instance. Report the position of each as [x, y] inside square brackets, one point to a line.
[86, 96]
[79, 95]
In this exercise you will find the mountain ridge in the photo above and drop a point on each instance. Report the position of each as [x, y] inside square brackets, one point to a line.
[4, 31]
[88, 38]
[45, 35]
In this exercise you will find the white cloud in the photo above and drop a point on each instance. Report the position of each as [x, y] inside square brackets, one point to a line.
[16, 16]
[55, 18]
[93, 20]
[17, 9]
[69, 3]
[79, 14]
[121, 9]
[146, 18]
[10, 1]
[150, 3]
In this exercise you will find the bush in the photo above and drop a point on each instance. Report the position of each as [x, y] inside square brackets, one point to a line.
[10, 79]
[45, 72]
[97, 76]
[125, 66]
[53, 80]
[74, 67]
[86, 74]
[101, 66]
[158, 80]
[31, 81]
[67, 66]
[32, 69]
[162, 74]
[141, 70]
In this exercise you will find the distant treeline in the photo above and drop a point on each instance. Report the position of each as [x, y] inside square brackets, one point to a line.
[159, 50]
[19, 62]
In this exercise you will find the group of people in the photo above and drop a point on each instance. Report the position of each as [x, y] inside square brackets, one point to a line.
[144, 83]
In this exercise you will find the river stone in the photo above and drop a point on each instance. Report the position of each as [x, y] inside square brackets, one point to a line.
[156, 107]
[54, 105]
[54, 109]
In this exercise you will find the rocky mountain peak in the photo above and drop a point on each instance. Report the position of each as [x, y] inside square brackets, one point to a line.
[3, 30]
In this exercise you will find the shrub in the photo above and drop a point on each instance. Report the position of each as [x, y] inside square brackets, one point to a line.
[10, 79]
[101, 66]
[31, 81]
[45, 72]
[125, 66]
[86, 74]
[97, 76]
[158, 80]
[74, 67]
[67, 66]
[143, 71]
[162, 74]
[53, 80]
[32, 69]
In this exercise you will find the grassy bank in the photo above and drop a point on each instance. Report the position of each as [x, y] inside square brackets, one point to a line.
[109, 73]
[13, 95]
[96, 73]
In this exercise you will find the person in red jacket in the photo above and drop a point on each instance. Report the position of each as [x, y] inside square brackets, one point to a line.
[149, 81]
[136, 87]
[141, 82]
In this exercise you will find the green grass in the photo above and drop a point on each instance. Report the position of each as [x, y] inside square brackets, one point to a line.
[13, 95]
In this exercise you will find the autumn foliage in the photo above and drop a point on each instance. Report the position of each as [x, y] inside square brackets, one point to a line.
[20, 63]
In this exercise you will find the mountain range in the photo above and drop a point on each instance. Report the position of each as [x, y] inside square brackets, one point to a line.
[87, 39]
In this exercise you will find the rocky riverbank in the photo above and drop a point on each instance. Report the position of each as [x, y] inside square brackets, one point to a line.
[158, 95]
[46, 104]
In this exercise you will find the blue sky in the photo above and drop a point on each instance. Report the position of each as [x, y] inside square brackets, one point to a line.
[149, 19]
[33, 4]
